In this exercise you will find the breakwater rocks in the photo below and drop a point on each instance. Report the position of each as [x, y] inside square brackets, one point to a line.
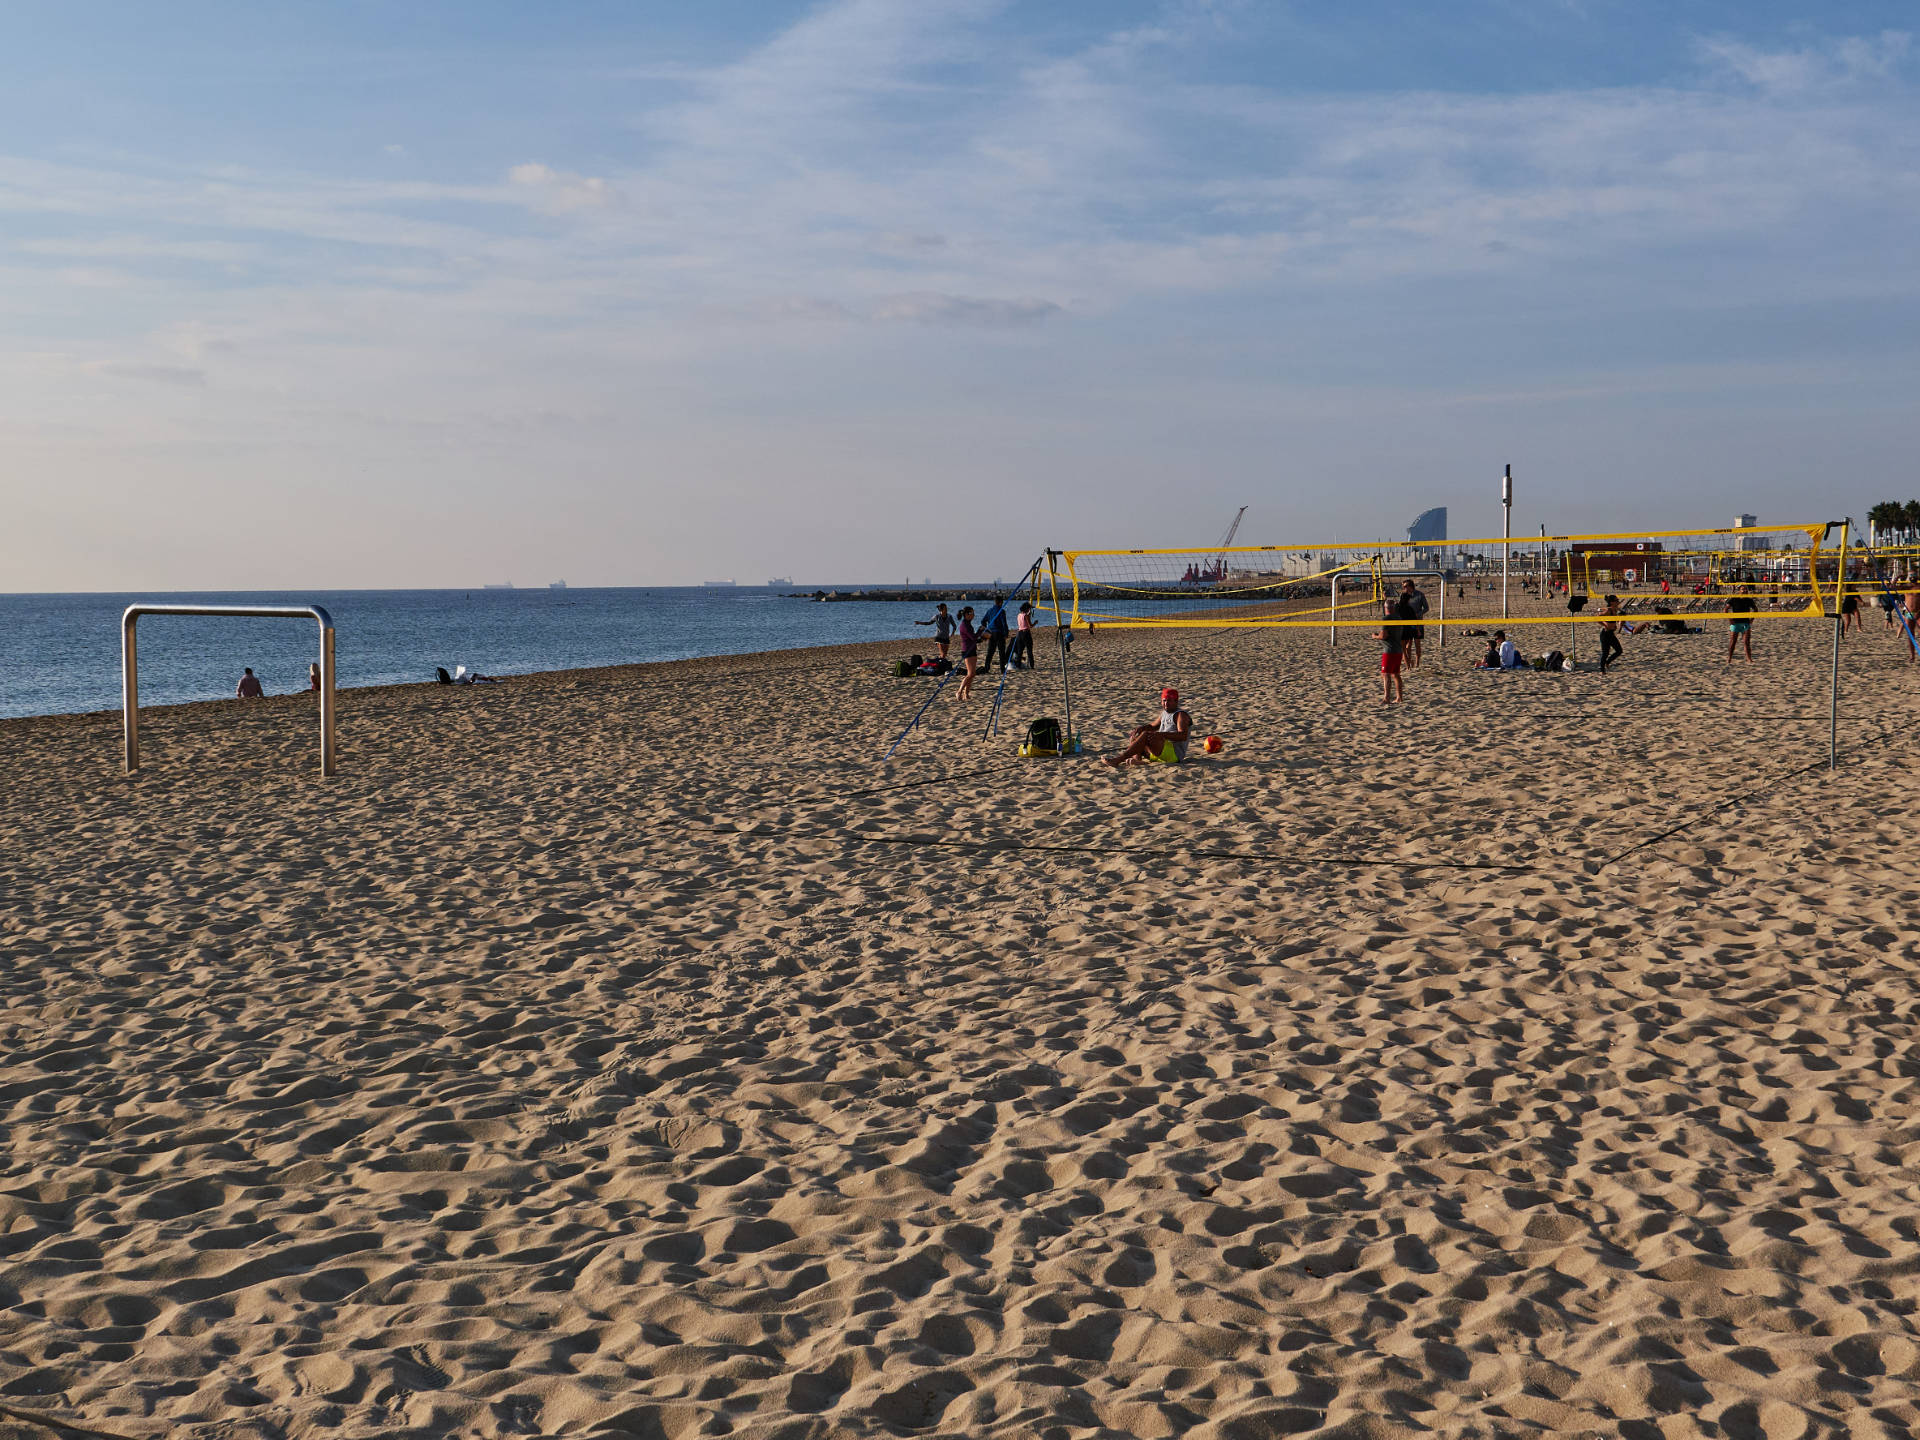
[1176, 594]
[930, 596]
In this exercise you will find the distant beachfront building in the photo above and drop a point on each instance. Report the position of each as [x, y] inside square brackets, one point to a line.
[1430, 525]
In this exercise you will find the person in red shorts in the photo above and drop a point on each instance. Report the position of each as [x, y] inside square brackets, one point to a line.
[1392, 648]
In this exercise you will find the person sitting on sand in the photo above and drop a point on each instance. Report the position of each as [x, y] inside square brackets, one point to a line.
[1502, 654]
[249, 686]
[1163, 742]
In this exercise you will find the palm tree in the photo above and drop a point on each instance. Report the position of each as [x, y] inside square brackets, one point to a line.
[1891, 519]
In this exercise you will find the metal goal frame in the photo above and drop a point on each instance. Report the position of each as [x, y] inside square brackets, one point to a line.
[130, 665]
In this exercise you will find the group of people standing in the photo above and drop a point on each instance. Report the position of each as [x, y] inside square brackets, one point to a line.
[1007, 643]
[1899, 603]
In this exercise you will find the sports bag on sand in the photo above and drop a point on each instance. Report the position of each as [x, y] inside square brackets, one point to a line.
[1043, 737]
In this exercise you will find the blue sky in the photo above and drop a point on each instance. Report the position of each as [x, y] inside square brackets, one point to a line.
[432, 294]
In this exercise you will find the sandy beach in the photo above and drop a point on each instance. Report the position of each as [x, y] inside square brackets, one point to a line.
[632, 1052]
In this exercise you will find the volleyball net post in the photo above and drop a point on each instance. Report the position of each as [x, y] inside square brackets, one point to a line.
[1063, 637]
[1833, 696]
[1029, 582]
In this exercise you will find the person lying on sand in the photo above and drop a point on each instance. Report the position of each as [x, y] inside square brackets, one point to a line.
[1163, 742]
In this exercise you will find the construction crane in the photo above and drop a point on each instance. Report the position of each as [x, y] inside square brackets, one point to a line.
[1226, 543]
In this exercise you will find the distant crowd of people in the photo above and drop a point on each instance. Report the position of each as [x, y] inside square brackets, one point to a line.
[1402, 643]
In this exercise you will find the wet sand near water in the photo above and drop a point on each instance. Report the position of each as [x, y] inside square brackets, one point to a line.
[630, 1052]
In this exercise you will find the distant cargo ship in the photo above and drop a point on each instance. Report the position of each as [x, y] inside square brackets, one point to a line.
[781, 580]
[507, 586]
[558, 585]
[718, 584]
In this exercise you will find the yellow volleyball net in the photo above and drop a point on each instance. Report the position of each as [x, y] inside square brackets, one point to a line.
[1741, 574]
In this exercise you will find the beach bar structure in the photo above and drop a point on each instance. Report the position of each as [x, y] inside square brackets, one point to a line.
[130, 665]
[1627, 560]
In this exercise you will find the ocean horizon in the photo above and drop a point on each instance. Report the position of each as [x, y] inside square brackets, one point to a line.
[60, 652]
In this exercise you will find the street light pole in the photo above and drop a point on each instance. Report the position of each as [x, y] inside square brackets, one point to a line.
[1506, 544]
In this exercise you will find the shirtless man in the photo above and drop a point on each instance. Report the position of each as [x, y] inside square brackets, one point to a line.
[1164, 741]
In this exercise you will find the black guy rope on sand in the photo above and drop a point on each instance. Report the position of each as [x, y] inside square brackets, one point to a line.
[1732, 801]
[1727, 804]
[1134, 853]
[928, 780]
[54, 1423]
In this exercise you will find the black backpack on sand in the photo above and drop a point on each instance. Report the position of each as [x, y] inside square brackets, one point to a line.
[1043, 737]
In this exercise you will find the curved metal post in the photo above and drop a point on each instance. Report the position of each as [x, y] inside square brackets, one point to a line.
[130, 666]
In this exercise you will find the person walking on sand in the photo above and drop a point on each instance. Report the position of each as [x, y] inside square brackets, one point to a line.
[942, 627]
[249, 686]
[1610, 646]
[1849, 612]
[1740, 628]
[969, 653]
[1164, 742]
[1022, 636]
[1412, 605]
[1392, 650]
[996, 636]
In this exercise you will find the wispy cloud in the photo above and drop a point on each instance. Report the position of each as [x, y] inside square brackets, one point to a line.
[158, 374]
[559, 190]
[908, 198]
[928, 308]
[876, 143]
[1844, 61]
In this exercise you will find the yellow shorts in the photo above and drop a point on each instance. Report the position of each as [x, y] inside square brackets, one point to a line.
[1167, 756]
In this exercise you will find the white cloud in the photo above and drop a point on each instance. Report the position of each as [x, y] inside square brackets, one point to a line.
[929, 308]
[158, 374]
[843, 223]
[560, 191]
[1844, 61]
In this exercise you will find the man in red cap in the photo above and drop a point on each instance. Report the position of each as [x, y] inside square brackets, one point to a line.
[1164, 741]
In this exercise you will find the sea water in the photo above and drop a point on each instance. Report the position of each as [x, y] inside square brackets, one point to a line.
[61, 653]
